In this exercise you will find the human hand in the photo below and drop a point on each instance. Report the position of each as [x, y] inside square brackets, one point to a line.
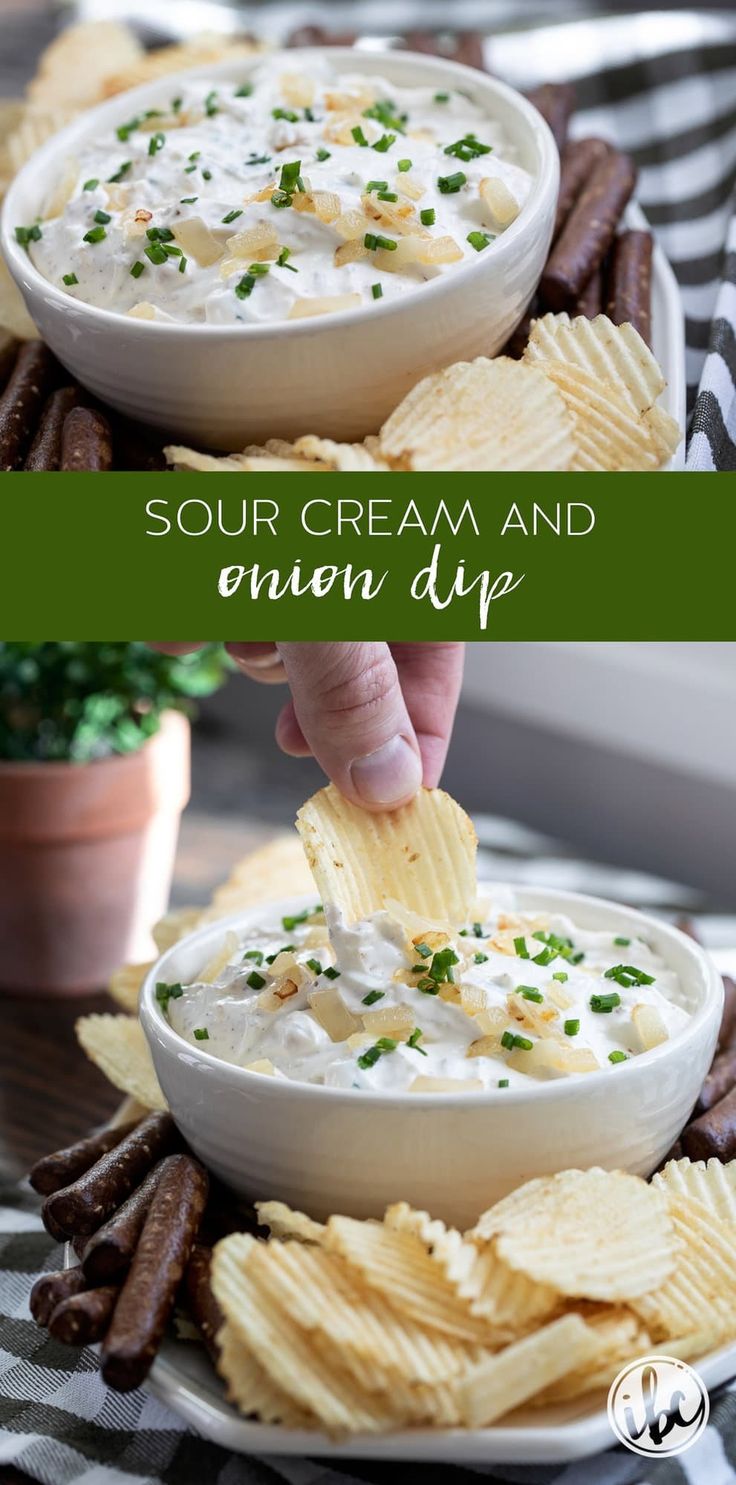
[376, 717]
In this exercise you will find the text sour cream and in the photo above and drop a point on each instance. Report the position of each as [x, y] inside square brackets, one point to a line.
[391, 1005]
[295, 193]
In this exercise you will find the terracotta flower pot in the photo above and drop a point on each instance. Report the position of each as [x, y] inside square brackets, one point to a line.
[86, 859]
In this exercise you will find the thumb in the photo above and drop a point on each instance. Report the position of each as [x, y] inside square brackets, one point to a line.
[349, 706]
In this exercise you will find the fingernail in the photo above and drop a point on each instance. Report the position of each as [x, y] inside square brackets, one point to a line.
[260, 662]
[392, 773]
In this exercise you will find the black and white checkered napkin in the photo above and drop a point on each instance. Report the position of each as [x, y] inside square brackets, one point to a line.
[62, 1426]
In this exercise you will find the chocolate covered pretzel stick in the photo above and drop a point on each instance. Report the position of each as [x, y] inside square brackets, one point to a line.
[556, 103]
[83, 1206]
[22, 401]
[720, 1080]
[630, 282]
[203, 1306]
[84, 1318]
[714, 1133]
[86, 445]
[162, 1255]
[588, 232]
[54, 1171]
[461, 46]
[109, 1252]
[727, 1033]
[45, 451]
[590, 302]
[317, 36]
[8, 356]
[51, 1289]
[579, 160]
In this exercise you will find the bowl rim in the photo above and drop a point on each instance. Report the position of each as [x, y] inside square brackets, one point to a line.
[544, 183]
[156, 1026]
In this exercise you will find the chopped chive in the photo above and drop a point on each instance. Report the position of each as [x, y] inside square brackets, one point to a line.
[623, 941]
[423, 950]
[572, 1027]
[245, 287]
[602, 1004]
[480, 959]
[206, 175]
[413, 1041]
[70, 279]
[510, 1039]
[102, 217]
[255, 955]
[530, 993]
[210, 104]
[628, 974]
[137, 269]
[255, 980]
[159, 234]
[125, 130]
[285, 113]
[24, 235]
[373, 241]
[165, 993]
[359, 136]
[189, 169]
[201, 1034]
[293, 920]
[521, 948]
[468, 148]
[176, 104]
[323, 154]
[96, 234]
[428, 986]
[545, 956]
[194, 155]
[188, 200]
[387, 196]
[372, 1054]
[281, 198]
[171, 251]
[442, 97]
[315, 965]
[244, 91]
[478, 930]
[290, 173]
[479, 240]
[449, 185]
[120, 173]
[156, 143]
[283, 260]
[617, 1057]
[377, 291]
[331, 973]
[384, 144]
[372, 997]
[232, 216]
[503, 1082]
[156, 253]
[258, 160]
[561, 975]
[404, 165]
[90, 185]
[377, 185]
[385, 113]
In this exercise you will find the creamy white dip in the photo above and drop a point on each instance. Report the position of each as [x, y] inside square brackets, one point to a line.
[377, 1005]
[292, 194]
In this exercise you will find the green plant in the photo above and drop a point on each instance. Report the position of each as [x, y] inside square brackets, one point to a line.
[71, 700]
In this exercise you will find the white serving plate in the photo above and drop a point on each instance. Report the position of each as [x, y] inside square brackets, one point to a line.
[184, 1379]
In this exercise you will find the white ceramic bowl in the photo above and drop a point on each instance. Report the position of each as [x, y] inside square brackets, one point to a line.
[329, 1150]
[340, 375]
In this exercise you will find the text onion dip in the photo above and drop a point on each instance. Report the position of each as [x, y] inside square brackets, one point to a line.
[295, 193]
[395, 1005]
